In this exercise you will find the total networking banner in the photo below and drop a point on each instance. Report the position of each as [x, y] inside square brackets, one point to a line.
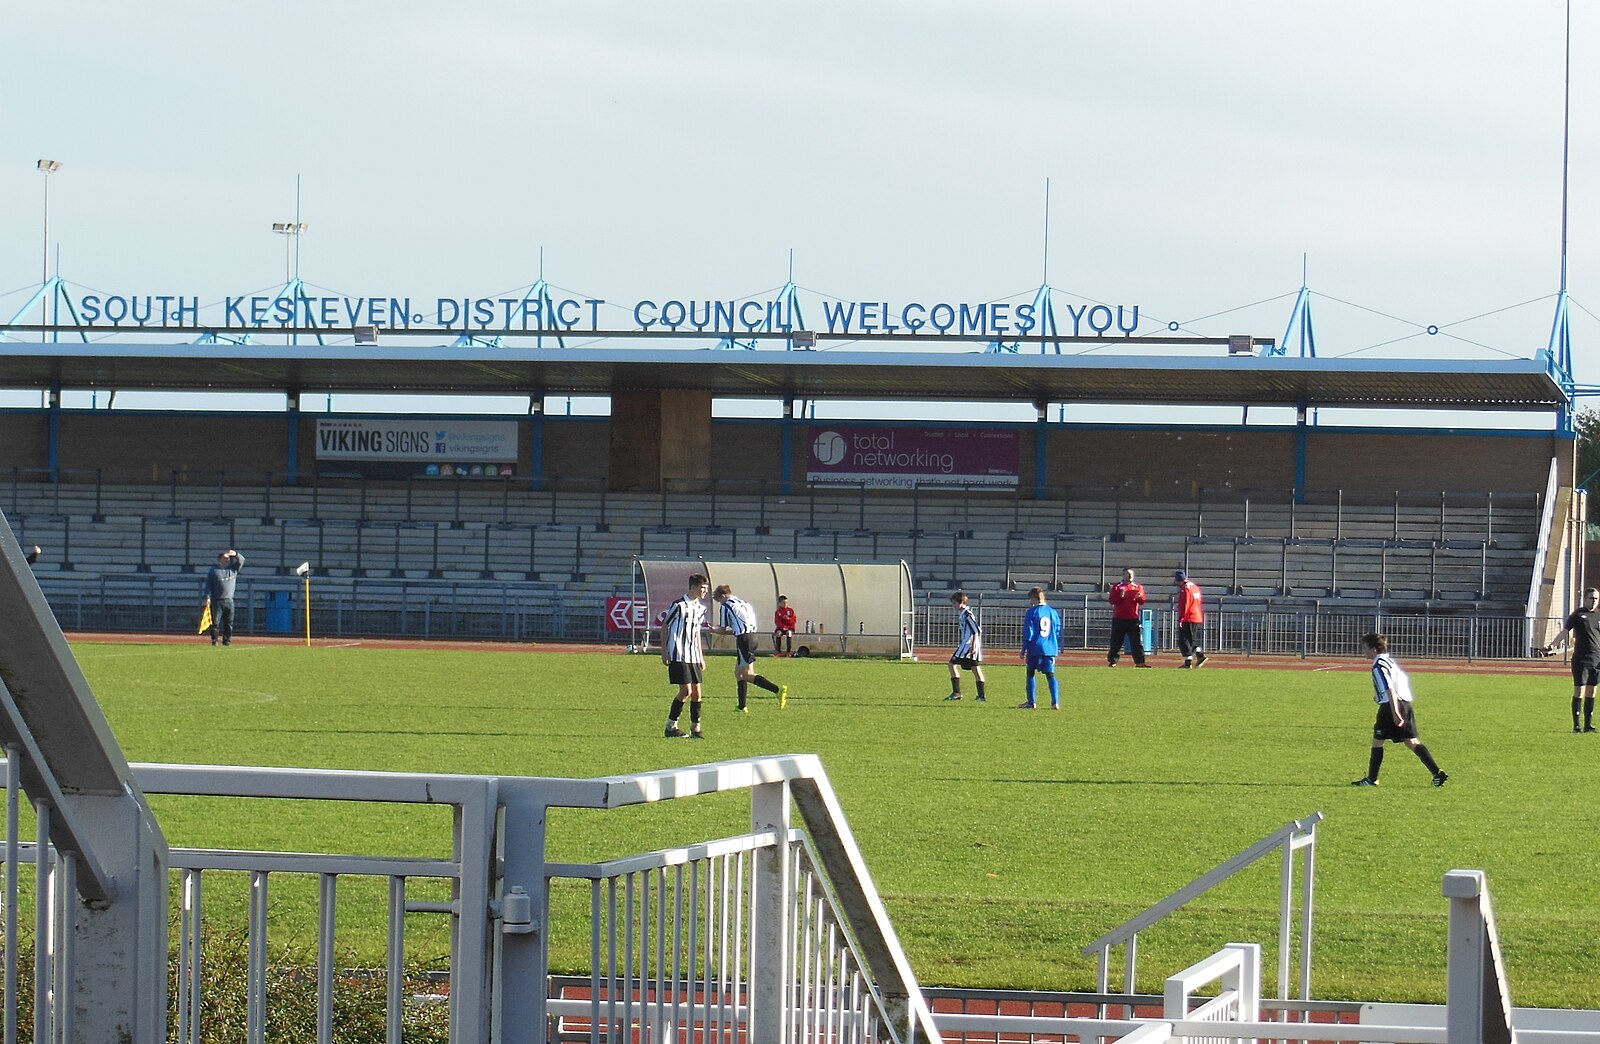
[475, 448]
[907, 457]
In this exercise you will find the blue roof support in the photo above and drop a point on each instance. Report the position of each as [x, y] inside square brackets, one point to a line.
[1299, 316]
[54, 291]
[1560, 350]
[539, 294]
[293, 292]
[1044, 313]
[793, 320]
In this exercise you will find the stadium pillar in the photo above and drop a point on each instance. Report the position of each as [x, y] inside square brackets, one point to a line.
[1041, 442]
[1301, 433]
[536, 449]
[661, 439]
[54, 424]
[786, 462]
[292, 451]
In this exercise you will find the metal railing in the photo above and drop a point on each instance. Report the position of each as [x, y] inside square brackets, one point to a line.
[776, 934]
[1288, 631]
[1295, 836]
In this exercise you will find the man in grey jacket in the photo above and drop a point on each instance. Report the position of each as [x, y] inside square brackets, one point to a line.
[219, 591]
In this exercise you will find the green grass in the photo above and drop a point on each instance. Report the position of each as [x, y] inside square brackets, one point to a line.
[1002, 841]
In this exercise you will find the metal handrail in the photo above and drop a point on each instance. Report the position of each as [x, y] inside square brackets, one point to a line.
[1292, 836]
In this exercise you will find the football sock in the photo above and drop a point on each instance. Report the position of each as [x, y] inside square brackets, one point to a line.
[1427, 759]
[744, 693]
[694, 714]
[1588, 710]
[763, 683]
[1030, 687]
[676, 712]
[955, 684]
[980, 688]
[1055, 690]
[1374, 763]
[1576, 703]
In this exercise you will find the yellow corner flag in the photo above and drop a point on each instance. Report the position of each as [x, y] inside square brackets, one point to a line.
[205, 616]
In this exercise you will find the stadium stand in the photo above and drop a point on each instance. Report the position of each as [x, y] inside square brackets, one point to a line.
[499, 544]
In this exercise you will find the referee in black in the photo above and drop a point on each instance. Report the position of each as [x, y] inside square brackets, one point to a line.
[1582, 632]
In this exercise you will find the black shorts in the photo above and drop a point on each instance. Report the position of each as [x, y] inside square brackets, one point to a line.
[680, 673]
[1385, 728]
[1585, 673]
[746, 647]
[965, 662]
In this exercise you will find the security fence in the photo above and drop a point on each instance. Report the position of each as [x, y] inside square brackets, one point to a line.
[462, 610]
[1257, 631]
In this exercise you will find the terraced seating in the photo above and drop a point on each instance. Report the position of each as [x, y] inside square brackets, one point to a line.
[1450, 551]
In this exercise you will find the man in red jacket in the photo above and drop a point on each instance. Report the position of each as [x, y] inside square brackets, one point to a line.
[1191, 620]
[1127, 599]
[783, 623]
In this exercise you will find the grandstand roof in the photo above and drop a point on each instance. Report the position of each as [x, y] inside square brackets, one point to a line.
[1508, 384]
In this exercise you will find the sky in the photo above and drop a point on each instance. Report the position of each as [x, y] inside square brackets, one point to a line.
[1199, 156]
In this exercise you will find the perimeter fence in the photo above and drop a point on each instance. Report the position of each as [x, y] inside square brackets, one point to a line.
[452, 610]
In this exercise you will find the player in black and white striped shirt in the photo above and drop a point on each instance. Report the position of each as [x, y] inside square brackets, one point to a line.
[969, 649]
[739, 620]
[684, 654]
[1397, 715]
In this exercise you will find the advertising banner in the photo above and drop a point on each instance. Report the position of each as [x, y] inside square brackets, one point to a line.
[906, 457]
[455, 444]
[626, 614]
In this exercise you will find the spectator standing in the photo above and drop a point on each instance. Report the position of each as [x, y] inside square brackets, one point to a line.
[1191, 620]
[783, 626]
[739, 620]
[220, 581]
[969, 648]
[1397, 717]
[1041, 643]
[1127, 619]
[1582, 632]
[683, 651]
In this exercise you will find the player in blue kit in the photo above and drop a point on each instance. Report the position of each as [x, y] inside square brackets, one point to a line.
[1041, 642]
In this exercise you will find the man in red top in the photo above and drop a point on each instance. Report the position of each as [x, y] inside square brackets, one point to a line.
[1191, 620]
[1127, 599]
[783, 621]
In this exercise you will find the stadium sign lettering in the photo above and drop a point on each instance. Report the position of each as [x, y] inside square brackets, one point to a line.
[458, 443]
[583, 315]
[894, 457]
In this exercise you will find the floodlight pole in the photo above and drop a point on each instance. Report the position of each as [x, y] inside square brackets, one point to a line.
[47, 167]
[308, 608]
[1560, 347]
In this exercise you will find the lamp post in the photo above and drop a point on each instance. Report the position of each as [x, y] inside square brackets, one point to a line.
[46, 167]
[291, 231]
[291, 246]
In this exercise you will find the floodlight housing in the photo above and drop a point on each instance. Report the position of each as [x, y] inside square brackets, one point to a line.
[47, 166]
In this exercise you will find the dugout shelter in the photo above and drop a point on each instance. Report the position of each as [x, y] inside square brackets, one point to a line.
[843, 608]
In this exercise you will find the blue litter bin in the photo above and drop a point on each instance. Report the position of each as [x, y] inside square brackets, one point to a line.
[280, 613]
[1147, 631]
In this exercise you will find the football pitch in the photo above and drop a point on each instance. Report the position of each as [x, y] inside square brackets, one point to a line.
[1002, 840]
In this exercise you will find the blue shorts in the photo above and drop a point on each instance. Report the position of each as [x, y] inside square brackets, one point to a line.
[1041, 664]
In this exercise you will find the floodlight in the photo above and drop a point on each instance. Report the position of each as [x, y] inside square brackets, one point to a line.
[302, 569]
[48, 166]
[804, 340]
[365, 335]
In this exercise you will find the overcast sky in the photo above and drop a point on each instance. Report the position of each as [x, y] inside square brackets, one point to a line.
[1196, 151]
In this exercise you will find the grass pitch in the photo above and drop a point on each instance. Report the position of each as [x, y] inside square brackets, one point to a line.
[1002, 840]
